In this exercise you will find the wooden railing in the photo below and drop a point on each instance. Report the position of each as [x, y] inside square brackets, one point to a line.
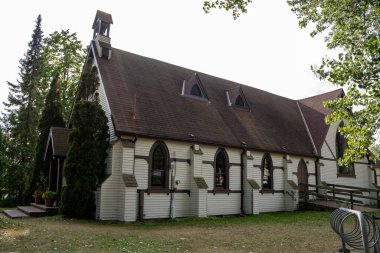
[350, 194]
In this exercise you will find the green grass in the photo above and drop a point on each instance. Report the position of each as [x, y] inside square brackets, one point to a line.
[271, 232]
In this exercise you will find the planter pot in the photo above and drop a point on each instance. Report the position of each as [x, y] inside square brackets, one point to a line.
[38, 200]
[49, 202]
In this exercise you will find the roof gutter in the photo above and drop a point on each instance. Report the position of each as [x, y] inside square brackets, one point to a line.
[197, 141]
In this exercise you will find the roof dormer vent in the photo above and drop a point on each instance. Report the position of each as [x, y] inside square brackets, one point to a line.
[236, 98]
[193, 88]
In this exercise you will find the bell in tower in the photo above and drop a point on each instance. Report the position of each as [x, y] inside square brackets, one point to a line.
[101, 37]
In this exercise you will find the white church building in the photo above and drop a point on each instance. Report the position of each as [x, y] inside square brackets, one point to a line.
[184, 143]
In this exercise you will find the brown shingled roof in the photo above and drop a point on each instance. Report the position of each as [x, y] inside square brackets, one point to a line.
[314, 113]
[59, 139]
[274, 123]
[316, 102]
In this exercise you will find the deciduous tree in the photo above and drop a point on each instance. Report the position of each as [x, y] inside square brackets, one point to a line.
[63, 53]
[353, 28]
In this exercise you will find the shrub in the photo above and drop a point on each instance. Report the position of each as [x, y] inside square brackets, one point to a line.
[49, 195]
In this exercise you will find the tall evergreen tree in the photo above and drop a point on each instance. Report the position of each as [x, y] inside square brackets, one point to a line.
[51, 116]
[88, 142]
[3, 164]
[22, 112]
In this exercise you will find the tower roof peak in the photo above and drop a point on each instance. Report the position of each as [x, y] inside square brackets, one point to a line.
[103, 16]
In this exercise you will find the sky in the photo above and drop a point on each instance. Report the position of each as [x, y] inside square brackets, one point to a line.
[264, 48]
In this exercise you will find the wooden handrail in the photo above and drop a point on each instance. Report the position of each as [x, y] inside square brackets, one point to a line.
[355, 187]
[350, 191]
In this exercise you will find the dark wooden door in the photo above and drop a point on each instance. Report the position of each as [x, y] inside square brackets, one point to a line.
[302, 178]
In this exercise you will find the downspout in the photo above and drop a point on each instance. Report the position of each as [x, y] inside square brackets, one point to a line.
[173, 187]
[316, 163]
[241, 181]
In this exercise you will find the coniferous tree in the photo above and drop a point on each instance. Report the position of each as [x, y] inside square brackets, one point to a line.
[22, 112]
[3, 164]
[51, 116]
[85, 161]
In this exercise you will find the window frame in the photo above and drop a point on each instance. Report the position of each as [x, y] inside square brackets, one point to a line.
[340, 146]
[198, 90]
[241, 99]
[226, 187]
[268, 157]
[165, 150]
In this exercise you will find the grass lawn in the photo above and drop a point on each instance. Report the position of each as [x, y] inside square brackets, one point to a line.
[275, 232]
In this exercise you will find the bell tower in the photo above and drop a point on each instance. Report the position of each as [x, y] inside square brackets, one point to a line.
[101, 26]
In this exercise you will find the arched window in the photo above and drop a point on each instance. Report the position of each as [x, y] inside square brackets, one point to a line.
[221, 170]
[159, 166]
[340, 146]
[239, 101]
[267, 172]
[196, 91]
[339, 143]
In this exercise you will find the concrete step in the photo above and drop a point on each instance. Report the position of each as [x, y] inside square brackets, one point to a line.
[32, 211]
[13, 214]
[49, 210]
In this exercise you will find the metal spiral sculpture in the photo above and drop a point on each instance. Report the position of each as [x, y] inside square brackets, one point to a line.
[357, 230]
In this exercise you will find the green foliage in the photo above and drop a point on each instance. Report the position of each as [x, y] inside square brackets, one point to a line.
[51, 116]
[4, 161]
[89, 84]
[84, 163]
[20, 120]
[375, 148]
[14, 174]
[237, 6]
[63, 53]
[49, 195]
[38, 193]
[88, 142]
[353, 28]
[26, 132]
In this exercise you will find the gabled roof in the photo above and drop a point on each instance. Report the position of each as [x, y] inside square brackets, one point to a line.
[59, 139]
[316, 102]
[314, 113]
[150, 90]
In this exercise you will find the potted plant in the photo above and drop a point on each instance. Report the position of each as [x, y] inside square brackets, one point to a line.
[38, 196]
[49, 197]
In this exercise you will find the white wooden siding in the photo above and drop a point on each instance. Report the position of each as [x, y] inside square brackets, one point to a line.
[129, 209]
[223, 204]
[329, 172]
[111, 189]
[235, 179]
[119, 202]
[271, 202]
[156, 206]
[141, 173]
